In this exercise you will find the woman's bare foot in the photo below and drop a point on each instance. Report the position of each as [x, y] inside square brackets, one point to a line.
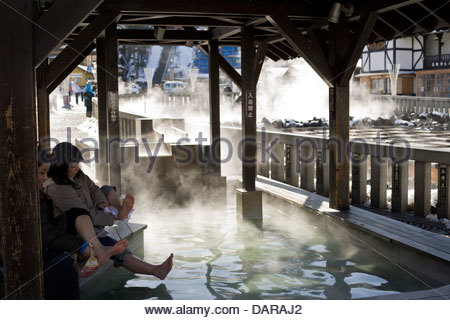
[127, 205]
[104, 253]
[163, 269]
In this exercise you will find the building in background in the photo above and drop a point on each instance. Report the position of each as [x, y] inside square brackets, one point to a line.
[231, 54]
[424, 65]
[81, 75]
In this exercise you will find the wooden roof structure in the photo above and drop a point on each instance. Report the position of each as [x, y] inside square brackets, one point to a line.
[330, 35]
[196, 21]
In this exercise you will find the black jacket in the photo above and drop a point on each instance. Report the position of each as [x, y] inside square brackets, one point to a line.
[54, 230]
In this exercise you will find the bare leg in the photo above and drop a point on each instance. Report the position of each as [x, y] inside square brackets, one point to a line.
[134, 264]
[85, 229]
[125, 207]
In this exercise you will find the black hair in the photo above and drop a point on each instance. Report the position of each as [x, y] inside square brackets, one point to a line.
[63, 154]
[43, 156]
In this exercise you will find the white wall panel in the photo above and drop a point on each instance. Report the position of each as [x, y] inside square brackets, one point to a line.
[364, 58]
[405, 43]
[446, 41]
[404, 58]
[432, 46]
[417, 44]
[420, 63]
[377, 61]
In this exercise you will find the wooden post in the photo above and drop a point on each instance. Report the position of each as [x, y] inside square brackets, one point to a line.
[263, 160]
[378, 182]
[422, 188]
[359, 179]
[323, 172]
[307, 167]
[339, 162]
[277, 162]
[20, 225]
[292, 164]
[214, 105]
[444, 192]
[248, 110]
[43, 107]
[400, 186]
[102, 167]
[112, 103]
[248, 200]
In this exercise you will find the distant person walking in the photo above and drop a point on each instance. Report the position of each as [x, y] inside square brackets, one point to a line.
[88, 94]
[77, 90]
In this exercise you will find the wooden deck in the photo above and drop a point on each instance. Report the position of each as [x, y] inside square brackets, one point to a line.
[420, 251]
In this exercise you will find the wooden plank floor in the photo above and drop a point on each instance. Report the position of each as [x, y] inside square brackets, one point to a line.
[424, 241]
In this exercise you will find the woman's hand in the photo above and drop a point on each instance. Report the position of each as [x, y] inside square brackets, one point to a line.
[102, 205]
[86, 253]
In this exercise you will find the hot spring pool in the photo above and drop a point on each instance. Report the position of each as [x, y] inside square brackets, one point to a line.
[218, 258]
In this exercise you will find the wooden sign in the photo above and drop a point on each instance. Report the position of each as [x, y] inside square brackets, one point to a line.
[250, 104]
[113, 106]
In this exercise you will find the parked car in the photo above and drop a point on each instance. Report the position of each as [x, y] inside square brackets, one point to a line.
[174, 87]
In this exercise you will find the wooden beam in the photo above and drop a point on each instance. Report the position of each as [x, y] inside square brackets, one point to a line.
[339, 102]
[55, 25]
[112, 104]
[380, 6]
[148, 35]
[87, 36]
[274, 49]
[312, 53]
[179, 21]
[259, 59]
[397, 22]
[221, 7]
[226, 68]
[62, 74]
[439, 11]
[272, 55]
[43, 107]
[417, 20]
[102, 168]
[214, 104]
[20, 225]
[221, 33]
[357, 43]
[248, 110]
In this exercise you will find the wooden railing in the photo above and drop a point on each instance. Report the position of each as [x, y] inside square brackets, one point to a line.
[418, 104]
[436, 61]
[379, 161]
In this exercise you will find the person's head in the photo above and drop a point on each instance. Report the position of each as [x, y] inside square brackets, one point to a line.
[65, 165]
[43, 166]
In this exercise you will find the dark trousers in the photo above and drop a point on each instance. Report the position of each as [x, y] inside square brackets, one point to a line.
[77, 95]
[61, 279]
[88, 105]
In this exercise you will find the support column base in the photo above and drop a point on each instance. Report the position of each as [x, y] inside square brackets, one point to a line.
[249, 204]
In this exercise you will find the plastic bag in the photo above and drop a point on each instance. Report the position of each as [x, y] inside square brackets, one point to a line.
[91, 264]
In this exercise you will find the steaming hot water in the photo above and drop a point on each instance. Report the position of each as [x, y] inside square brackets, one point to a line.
[216, 257]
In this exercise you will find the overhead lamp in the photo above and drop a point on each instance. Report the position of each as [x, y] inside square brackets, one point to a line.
[159, 33]
[336, 10]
